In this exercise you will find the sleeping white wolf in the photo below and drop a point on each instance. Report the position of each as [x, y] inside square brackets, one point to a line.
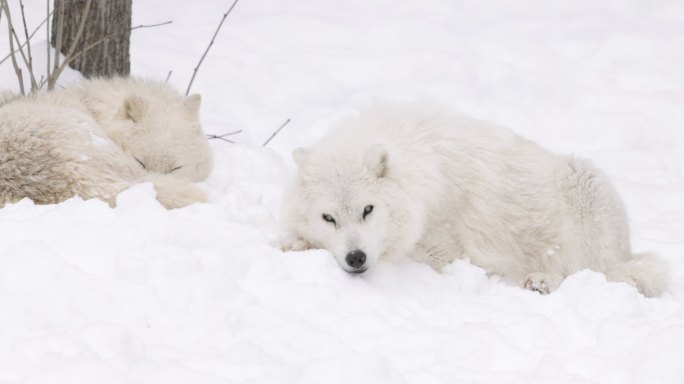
[435, 187]
[100, 137]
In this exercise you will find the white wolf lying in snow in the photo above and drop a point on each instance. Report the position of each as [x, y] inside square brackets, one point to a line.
[407, 181]
[99, 138]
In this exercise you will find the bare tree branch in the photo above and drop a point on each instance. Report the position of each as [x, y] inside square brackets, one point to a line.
[54, 69]
[276, 132]
[27, 61]
[47, 39]
[10, 28]
[194, 73]
[58, 39]
[151, 25]
[168, 76]
[81, 27]
[102, 40]
[29, 64]
[52, 80]
[223, 136]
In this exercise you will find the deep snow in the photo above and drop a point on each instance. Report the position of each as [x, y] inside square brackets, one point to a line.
[138, 294]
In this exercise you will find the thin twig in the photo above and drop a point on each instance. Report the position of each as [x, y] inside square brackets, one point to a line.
[67, 59]
[27, 62]
[102, 40]
[220, 138]
[34, 84]
[194, 73]
[81, 27]
[151, 25]
[17, 70]
[47, 37]
[168, 76]
[227, 134]
[58, 39]
[276, 132]
[223, 136]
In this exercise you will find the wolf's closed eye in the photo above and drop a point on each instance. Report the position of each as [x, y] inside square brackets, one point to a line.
[367, 211]
[141, 163]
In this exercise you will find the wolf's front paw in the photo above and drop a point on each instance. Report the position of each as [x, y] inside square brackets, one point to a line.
[173, 192]
[296, 246]
[543, 283]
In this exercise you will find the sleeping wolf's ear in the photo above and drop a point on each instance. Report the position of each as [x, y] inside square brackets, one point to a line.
[134, 108]
[192, 104]
[377, 161]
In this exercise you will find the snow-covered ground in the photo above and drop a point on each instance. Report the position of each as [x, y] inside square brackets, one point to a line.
[138, 294]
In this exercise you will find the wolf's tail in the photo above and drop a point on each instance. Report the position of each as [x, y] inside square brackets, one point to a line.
[646, 272]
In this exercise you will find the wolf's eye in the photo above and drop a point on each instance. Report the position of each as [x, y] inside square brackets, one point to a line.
[140, 162]
[175, 169]
[367, 211]
[328, 218]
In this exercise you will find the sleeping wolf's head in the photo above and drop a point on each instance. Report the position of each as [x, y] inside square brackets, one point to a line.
[160, 129]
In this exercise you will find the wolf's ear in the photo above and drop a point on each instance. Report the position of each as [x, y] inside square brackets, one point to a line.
[376, 161]
[301, 157]
[134, 108]
[192, 104]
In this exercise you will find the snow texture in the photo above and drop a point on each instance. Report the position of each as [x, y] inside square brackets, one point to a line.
[139, 294]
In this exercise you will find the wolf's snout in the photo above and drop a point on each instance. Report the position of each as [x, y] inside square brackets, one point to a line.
[355, 259]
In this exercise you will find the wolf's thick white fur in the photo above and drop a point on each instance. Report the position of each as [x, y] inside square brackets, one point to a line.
[100, 137]
[441, 187]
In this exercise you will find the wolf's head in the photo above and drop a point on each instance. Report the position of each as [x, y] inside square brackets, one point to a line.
[349, 204]
[164, 135]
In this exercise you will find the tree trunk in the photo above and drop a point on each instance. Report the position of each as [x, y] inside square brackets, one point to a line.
[107, 22]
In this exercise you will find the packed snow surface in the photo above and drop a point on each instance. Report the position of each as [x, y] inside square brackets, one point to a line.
[139, 294]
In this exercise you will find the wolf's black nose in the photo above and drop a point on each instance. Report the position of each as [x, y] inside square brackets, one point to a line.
[355, 259]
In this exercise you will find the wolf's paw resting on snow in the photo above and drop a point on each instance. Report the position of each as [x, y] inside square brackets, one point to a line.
[296, 246]
[544, 283]
[173, 192]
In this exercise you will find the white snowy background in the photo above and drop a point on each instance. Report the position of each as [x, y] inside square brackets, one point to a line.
[138, 294]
